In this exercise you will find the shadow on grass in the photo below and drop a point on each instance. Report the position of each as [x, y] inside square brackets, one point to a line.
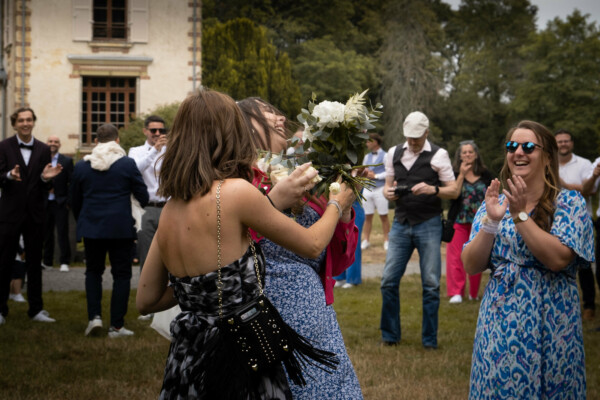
[56, 361]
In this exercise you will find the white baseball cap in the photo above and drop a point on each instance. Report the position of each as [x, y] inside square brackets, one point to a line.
[415, 125]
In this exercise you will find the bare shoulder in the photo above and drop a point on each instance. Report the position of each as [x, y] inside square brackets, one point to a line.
[239, 187]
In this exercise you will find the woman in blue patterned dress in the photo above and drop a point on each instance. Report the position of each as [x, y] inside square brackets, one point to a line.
[302, 288]
[206, 174]
[533, 236]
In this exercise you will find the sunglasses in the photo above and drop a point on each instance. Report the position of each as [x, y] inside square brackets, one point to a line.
[162, 131]
[528, 147]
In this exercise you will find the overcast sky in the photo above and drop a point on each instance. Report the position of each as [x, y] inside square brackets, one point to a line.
[549, 9]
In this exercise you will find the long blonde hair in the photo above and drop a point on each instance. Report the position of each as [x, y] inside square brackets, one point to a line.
[543, 212]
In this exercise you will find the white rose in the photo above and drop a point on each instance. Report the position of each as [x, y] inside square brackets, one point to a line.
[334, 188]
[316, 178]
[329, 114]
[262, 164]
[278, 174]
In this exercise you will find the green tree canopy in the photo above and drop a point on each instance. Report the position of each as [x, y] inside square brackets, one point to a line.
[332, 73]
[561, 88]
[238, 59]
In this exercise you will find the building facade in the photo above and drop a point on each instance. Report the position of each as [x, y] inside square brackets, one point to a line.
[82, 63]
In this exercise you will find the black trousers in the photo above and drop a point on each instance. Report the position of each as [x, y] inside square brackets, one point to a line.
[119, 255]
[586, 276]
[33, 235]
[57, 216]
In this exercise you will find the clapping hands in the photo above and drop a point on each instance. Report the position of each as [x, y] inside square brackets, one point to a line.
[515, 196]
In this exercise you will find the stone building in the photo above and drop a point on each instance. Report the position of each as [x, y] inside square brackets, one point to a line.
[82, 63]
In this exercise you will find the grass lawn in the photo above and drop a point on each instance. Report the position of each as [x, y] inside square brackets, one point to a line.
[56, 361]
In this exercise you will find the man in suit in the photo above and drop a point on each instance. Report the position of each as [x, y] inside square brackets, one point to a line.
[25, 178]
[101, 194]
[57, 212]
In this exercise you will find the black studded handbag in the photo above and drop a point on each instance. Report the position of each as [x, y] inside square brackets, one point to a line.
[255, 340]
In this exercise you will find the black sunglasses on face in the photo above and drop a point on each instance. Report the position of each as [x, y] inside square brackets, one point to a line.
[528, 147]
[162, 131]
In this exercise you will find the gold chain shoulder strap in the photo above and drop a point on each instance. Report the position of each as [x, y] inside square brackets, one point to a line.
[219, 282]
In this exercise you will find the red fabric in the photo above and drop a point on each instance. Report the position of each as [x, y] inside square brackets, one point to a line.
[455, 272]
[340, 251]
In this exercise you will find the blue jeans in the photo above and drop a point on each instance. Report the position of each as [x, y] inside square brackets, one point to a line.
[426, 237]
[353, 273]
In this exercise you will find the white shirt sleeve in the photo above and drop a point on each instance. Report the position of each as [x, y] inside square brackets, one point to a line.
[143, 158]
[389, 162]
[440, 162]
[590, 172]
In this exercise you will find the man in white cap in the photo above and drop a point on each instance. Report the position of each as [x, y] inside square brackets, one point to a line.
[418, 175]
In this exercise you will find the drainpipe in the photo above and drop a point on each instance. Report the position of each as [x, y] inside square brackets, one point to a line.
[194, 48]
[23, 53]
[3, 75]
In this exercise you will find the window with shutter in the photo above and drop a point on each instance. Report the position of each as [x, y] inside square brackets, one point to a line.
[110, 20]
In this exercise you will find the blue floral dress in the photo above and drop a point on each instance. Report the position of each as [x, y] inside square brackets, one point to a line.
[529, 341]
[292, 284]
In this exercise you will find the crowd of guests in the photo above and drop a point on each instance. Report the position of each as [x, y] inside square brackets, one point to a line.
[530, 227]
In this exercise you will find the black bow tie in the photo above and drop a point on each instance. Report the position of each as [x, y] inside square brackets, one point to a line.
[375, 153]
[26, 146]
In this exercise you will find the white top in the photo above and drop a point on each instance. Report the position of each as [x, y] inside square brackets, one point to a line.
[440, 162]
[577, 170]
[145, 157]
[26, 153]
[51, 195]
[589, 175]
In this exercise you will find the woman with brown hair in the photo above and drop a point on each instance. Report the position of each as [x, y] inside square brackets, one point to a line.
[201, 257]
[472, 180]
[533, 237]
[302, 287]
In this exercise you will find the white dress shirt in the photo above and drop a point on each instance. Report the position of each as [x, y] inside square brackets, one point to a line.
[146, 157]
[440, 162]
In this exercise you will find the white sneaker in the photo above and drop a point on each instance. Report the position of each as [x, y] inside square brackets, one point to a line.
[386, 244]
[146, 317]
[64, 267]
[338, 284]
[2, 320]
[365, 244]
[44, 266]
[17, 298]
[122, 331]
[43, 316]
[347, 285]
[94, 326]
[457, 298]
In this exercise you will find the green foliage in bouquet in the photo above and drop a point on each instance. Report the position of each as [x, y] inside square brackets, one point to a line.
[335, 137]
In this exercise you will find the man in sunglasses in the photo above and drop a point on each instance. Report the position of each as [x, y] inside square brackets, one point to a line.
[573, 171]
[418, 175]
[147, 157]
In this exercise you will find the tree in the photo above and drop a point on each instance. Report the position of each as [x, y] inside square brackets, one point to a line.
[238, 59]
[332, 73]
[484, 69]
[410, 64]
[562, 81]
[133, 134]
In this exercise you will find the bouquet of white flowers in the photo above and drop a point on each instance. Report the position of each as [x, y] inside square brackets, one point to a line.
[335, 137]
